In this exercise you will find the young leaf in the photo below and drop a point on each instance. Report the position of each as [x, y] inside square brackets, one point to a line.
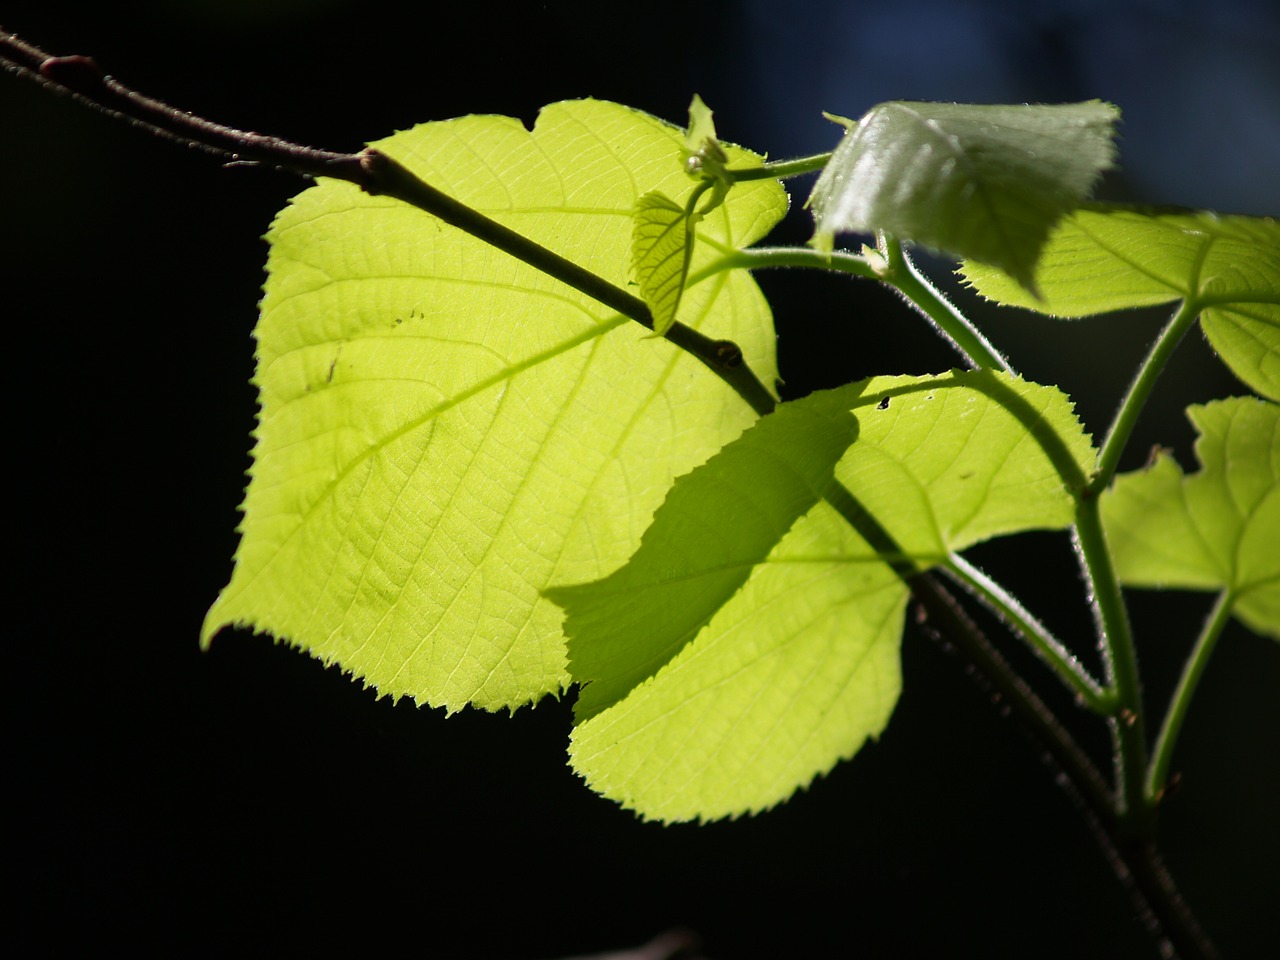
[982, 182]
[701, 132]
[1102, 258]
[1218, 528]
[663, 238]
[729, 677]
[705, 157]
[661, 251]
[444, 430]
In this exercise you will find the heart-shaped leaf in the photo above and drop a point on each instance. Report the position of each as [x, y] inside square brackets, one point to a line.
[444, 430]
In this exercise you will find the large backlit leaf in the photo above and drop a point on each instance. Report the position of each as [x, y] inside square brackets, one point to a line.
[1113, 258]
[444, 430]
[1216, 529]
[982, 182]
[739, 658]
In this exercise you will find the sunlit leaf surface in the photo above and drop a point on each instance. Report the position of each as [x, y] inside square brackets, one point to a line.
[977, 181]
[741, 653]
[444, 431]
[1114, 258]
[1215, 529]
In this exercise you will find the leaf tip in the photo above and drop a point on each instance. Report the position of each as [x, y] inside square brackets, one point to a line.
[842, 121]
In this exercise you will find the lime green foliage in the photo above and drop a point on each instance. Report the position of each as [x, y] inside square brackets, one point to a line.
[474, 485]
[1113, 258]
[982, 182]
[445, 431]
[661, 249]
[1216, 529]
[704, 157]
[759, 649]
[715, 525]
[664, 233]
[962, 457]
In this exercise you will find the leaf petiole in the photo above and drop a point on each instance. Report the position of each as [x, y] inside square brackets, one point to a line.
[1162, 755]
[1135, 399]
[897, 270]
[903, 275]
[1128, 725]
[1063, 663]
[780, 169]
[762, 258]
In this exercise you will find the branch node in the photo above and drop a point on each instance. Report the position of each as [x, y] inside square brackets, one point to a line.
[72, 71]
[728, 354]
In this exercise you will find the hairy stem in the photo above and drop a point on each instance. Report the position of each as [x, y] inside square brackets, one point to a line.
[1135, 399]
[1162, 755]
[1137, 808]
[764, 258]
[781, 169]
[902, 275]
[1128, 724]
[1063, 663]
[899, 273]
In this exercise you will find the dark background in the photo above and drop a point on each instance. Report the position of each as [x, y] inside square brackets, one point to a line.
[245, 799]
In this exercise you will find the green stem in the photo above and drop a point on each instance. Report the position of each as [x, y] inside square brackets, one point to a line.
[946, 614]
[1162, 755]
[1063, 663]
[780, 169]
[1136, 398]
[901, 273]
[1128, 725]
[763, 258]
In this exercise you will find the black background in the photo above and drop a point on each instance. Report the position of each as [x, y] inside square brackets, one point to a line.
[194, 803]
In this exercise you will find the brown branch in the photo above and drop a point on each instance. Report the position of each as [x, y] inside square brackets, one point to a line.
[1136, 862]
[373, 172]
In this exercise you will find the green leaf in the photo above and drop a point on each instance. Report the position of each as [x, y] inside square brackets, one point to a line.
[661, 251]
[1216, 529]
[702, 128]
[714, 526]
[444, 431]
[982, 182]
[739, 654]
[664, 235]
[1114, 258]
[956, 459]
[705, 157]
